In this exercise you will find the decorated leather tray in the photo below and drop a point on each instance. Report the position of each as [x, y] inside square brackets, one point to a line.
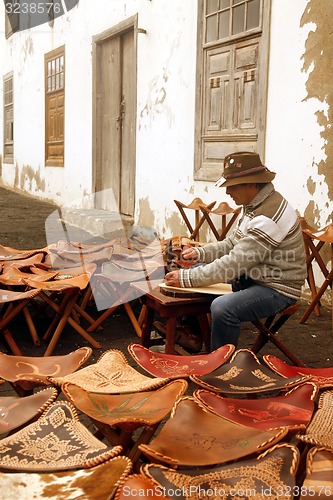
[271, 475]
[134, 409]
[27, 371]
[10, 295]
[244, 374]
[139, 486]
[194, 436]
[36, 258]
[95, 483]
[16, 411]
[174, 366]
[319, 432]
[56, 441]
[13, 276]
[79, 281]
[323, 377]
[293, 409]
[318, 482]
[9, 253]
[111, 374]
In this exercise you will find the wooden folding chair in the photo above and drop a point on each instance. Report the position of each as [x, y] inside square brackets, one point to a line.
[223, 210]
[195, 205]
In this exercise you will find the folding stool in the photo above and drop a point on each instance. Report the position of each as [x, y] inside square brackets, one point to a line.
[195, 205]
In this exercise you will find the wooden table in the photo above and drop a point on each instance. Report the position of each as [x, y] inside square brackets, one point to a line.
[172, 308]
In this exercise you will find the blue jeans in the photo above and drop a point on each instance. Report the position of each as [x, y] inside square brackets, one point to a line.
[249, 302]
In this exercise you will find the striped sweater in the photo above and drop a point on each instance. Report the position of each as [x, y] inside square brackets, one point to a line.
[267, 246]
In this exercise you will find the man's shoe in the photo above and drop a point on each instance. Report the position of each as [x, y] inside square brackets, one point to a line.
[184, 337]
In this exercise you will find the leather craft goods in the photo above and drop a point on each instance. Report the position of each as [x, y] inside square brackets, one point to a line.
[194, 436]
[293, 409]
[14, 277]
[16, 411]
[26, 372]
[9, 253]
[270, 475]
[174, 366]
[319, 432]
[118, 416]
[244, 374]
[129, 411]
[139, 486]
[95, 483]
[318, 482]
[56, 441]
[195, 205]
[323, 377]
[111, 374]
[222, 210]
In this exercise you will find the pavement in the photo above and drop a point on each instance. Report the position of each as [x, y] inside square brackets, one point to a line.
[23, 227]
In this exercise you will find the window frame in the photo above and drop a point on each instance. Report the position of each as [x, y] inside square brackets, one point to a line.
[211, 171]
[8, 144]
[56, 93]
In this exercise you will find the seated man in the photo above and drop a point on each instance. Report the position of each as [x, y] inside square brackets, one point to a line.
[264, 258]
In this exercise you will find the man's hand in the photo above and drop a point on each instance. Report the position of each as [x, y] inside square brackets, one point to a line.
[172, 279]
[190, 254]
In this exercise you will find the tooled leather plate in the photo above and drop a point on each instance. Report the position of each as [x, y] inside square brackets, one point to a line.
[323, 377]
[174, 366]
[111, 374]
[319, 432]
[28, 371]
[244, 374]
[293, 409]
[134, 409]
[16, 411]
[195, 436]
[95, 483]
[271, 475]
[56, 441]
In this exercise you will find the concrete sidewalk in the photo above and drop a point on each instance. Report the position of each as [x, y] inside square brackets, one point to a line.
[23, 227]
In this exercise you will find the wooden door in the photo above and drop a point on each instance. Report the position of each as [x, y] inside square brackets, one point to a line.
[115, 90]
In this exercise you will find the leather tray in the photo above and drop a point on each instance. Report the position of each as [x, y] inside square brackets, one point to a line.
[56, 441]
[323, 377]
[293, 409]
[111, 374]
[244, 374]
[268, 476]
[96, 483]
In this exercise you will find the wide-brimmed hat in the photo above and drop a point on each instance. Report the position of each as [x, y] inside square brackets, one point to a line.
[244, 168]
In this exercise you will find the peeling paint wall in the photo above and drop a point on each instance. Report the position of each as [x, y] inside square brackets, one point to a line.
[298, 134]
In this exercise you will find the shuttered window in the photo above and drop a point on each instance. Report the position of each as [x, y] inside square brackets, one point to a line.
[8, 113]
[54, 107]
[232, 83]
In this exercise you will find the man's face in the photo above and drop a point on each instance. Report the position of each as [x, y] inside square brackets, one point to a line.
[242, 194]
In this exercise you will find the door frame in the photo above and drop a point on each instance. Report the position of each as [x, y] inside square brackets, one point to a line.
[119, 29]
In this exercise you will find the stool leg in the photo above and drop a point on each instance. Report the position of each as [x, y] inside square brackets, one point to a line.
[170, 336]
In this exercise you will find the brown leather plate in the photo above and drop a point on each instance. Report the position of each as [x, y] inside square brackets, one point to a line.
[271, 475]
[139, 408]
[293, 409]
[56, 441]
[323, 377]
[244, 374]
[111, 374]
[96, 483]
